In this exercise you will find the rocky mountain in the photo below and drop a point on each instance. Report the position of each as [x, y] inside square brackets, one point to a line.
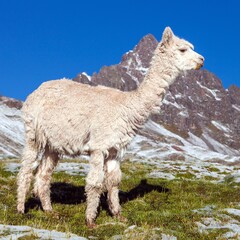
[196, 107]
[126, 75]
[198, 117]
[198, 104]
[11, 127]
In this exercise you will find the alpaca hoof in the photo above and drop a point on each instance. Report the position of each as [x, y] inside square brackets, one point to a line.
[47, 209]
[121, 218]
[91, 224]
[20, 210]
[53, 214]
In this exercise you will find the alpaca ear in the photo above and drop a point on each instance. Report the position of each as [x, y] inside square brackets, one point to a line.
[167, 36]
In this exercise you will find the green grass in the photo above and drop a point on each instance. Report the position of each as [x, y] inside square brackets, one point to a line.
[155, 206]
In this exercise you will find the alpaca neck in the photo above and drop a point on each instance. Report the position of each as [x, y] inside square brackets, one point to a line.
[160, 75]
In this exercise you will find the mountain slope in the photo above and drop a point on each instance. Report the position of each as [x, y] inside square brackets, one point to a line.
[11, 128]
[196, 105]
[198, 112]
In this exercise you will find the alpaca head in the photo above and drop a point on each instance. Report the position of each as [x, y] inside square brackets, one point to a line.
[180, 52]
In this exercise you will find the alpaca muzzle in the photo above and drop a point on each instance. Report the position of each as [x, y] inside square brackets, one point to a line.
[198, 66]
[200, 63]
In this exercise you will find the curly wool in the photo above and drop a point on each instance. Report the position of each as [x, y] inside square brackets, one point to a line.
[63, 117]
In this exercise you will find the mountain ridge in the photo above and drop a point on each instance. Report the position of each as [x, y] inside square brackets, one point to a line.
[196, 107]
[192, 102]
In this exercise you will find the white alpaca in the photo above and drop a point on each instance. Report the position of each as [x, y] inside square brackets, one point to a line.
[63, 117]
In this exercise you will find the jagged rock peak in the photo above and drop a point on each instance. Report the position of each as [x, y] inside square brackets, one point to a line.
[144, 49]
[126, 75]
[11, 102]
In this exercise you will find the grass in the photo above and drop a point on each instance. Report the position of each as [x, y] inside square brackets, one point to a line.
[151, 206]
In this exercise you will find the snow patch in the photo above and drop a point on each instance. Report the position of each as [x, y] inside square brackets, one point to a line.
[217, 146]
[190, 98]
[184, 114]
[196, 141]
[86, 75]
[213, 92]
[236, 107]
[176, 105]
[220, 126]
[11, 129]
[178, 95]
[152, 126]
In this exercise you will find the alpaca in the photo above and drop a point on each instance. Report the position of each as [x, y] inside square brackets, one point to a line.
[63, 117]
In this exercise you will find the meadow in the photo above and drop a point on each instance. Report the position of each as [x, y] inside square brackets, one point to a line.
[182, 208]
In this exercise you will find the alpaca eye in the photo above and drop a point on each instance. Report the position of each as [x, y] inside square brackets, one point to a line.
[182, 50]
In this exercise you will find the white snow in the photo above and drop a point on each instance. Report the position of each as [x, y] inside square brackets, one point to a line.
[122, 80]
[213, 92]
[201, 115]
[11, 123]
[130, 51]
[175, 104]
[140, 65]
[133, 78]
[193, 147]
[190, 98]
[6, 152]
[220, 126]
[184, 114]
[236, 107]
[178, 95]
[11, 126]
[152, 126]
[196, 141]
[88, 77]
[142, 69]
[128, 64]
[195, 157]
[219, 147]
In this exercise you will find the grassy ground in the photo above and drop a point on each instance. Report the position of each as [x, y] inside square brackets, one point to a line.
[151, 206]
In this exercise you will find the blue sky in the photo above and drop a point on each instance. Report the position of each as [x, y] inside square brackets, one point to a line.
[50, 39]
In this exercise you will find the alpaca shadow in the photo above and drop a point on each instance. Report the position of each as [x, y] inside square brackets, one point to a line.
[140, 190]
[66, 193]
[63, 193]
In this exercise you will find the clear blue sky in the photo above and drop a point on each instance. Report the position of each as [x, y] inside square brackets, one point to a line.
[50, 39]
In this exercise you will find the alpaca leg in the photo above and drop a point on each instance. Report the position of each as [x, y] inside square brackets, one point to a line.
[113, 178]
[25, 175]
[94, 186]
[43, 179]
